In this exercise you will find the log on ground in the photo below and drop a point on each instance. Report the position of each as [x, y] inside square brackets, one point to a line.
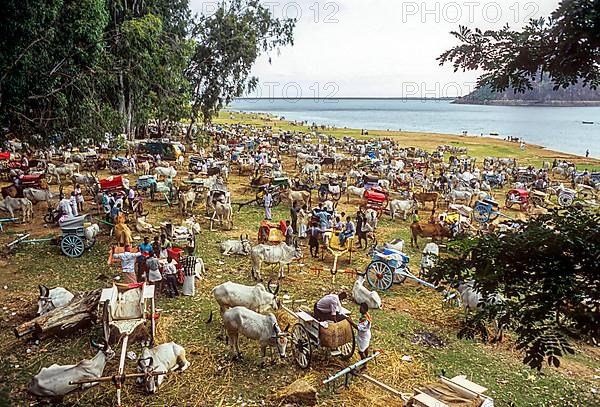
[79, 313]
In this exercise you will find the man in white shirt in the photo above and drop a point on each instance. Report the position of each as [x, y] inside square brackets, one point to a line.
[329, 307]
[64, 205]
[128, 260]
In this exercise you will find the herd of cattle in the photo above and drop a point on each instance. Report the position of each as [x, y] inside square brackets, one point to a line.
[413, 177]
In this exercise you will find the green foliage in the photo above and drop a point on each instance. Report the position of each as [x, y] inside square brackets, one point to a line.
[47, 50]
[76, 70]
[227, 45]
[565, 46]
[546, 272]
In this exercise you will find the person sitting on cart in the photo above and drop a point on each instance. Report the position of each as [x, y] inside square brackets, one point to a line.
[349, 231]
[64, 206]
[329, 308]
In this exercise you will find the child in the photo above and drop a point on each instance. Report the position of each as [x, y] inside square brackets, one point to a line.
[364, 332]
[289, 233]
[79, 197]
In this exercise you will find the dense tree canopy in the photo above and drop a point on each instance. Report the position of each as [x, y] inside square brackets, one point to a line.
[548, 274]
[566, 46]
[74, 70]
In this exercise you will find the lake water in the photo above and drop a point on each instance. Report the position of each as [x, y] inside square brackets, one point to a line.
[558, 128]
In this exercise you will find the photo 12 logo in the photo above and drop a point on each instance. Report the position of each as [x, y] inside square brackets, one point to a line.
[469, 12]
[318, 12]
[436, 90]
[293, 91]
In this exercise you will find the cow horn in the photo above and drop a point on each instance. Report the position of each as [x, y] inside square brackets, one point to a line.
[41, 290]
[277, 289]
[287, 328]
[46, 291]
[210, 317]
[247, 237]
[269, 287]
[93, 343]
[241, 237]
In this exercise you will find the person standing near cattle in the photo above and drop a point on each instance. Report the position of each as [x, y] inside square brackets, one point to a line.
[268, 201]
[79, 197]
[294, 215]
[171, 278]
[154, 276]
[363, 335]
[303, 219]
[128, 260]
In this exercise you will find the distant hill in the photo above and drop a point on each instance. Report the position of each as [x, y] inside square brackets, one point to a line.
[542, 94]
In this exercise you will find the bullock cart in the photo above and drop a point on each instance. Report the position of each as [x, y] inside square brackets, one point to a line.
[271, 233]
[125, 309]
[389, 266]
[308, 334]
[517, 197]
[486, 211]
[566, 197]
[330, 190]
[376, 199]
[74, 241]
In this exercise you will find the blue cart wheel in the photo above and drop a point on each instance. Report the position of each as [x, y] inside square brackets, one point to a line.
[72, 245]
[481, 213]
[380, 275]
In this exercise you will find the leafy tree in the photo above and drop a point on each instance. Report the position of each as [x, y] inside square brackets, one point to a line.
[227, 45]
[566, 46]
[47, 54]
[548, 274]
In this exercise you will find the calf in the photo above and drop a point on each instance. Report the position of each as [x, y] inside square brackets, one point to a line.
[167, 357]
[55, 381]
[256, 298]
[361, 294]
[54, 298]
[261, 328]
[186, 201]
[234, 246]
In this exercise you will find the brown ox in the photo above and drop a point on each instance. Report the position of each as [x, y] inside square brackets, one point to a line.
[423, 197]
[434, 231]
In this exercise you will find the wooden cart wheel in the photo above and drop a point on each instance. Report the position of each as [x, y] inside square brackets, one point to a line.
[347, 350]
[105, 323]
[565, 200]
[72, 245]
[301, 346]
[380, 275]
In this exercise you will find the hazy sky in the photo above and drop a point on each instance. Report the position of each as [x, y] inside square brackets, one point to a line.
[377, 47]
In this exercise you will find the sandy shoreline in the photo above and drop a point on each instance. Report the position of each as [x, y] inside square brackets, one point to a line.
[479, 146]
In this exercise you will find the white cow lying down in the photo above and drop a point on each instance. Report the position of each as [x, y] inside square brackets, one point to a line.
[361, 294]
[54, 381]
[167, 357]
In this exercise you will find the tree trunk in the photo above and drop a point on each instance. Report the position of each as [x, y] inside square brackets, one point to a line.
[122, 102]
[80, 312]
[193, 119]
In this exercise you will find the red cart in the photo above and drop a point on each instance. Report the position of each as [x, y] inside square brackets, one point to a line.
[377, 200]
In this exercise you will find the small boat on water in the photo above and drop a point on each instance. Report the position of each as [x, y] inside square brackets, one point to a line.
[584, 122]
[494, 134]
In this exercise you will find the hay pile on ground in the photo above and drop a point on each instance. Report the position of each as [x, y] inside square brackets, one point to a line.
[299, 392]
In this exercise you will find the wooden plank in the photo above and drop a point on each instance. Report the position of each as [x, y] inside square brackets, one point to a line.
[383, 386]
[428, 401]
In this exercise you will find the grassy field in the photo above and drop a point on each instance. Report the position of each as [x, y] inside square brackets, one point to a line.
[214, 380]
